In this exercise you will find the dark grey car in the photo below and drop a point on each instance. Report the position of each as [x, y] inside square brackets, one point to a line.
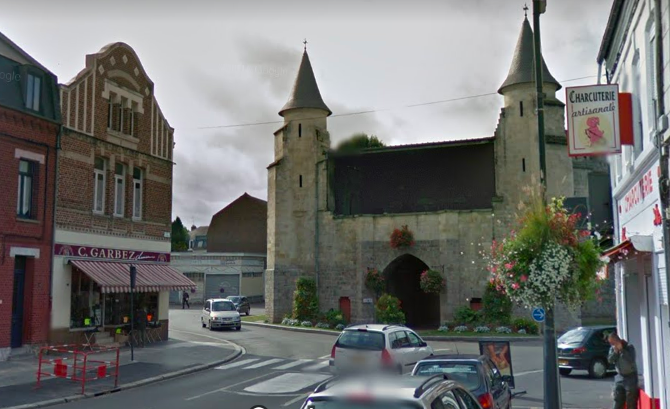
[241, 303]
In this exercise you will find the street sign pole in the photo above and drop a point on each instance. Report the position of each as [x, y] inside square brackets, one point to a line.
[133, 276]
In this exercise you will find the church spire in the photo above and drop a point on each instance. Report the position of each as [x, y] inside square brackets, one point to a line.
[522, 70]
[305, 93]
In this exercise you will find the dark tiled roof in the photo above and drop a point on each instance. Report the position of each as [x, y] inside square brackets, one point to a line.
[522, 70]
[305, 92]
[414, 146]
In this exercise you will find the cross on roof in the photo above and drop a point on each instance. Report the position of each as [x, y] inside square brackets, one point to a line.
[305, 43]
[525, 10]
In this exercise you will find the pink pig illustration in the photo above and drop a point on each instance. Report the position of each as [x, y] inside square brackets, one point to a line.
[593, 132]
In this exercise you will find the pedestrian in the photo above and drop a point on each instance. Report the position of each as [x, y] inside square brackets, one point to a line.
[622, 355]
[141, 325]
[184, 300]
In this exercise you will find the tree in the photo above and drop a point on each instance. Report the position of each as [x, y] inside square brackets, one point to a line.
[179, 236]
[359, 141]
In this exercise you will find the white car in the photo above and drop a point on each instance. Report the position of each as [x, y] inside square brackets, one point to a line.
[377, 346]
[220, 313]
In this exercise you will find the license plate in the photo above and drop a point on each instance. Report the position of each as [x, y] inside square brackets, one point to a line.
[562, 362]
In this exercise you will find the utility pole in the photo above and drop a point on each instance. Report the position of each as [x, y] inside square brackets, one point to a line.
[552, 394]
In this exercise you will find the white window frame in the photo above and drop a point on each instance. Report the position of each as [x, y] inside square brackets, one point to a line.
[119, 178]
[96, 173]
[137, 197]
[33, 92]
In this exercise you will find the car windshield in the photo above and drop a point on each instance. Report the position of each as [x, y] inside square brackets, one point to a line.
[465, 373]
[373, 341]
[348, 404]
[223, 306]
[575, 336]
[234, 299]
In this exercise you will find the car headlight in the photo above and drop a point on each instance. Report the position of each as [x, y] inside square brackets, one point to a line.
[237, 318]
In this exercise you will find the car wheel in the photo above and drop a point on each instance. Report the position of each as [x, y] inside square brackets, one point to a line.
[203, 323]
[210, 325]
[564, 371]
[598, 368]
[238, 328]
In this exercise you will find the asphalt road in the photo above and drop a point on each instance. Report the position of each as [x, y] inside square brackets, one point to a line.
[281, 367]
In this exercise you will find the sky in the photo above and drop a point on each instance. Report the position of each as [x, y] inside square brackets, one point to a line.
[221, 63]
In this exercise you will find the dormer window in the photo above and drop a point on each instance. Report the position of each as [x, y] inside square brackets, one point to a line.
[33, 92]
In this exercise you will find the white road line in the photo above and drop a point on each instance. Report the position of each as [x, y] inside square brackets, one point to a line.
[443, 349]
[297, 399]
[286, 383]
[264, 363]
[237, 363]
[317, 366]
[325, 356]
[225, 388]
[528, 372]
[232, 344]
[294, 363]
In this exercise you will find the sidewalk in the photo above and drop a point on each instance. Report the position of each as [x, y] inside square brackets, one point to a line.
[153, 363]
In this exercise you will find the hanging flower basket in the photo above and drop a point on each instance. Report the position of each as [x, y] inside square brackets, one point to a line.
[547, 259]
[402, 237]
[374, 281]
[432, 282]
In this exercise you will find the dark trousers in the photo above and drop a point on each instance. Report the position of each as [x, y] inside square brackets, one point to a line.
[184, 303]
[626, 392]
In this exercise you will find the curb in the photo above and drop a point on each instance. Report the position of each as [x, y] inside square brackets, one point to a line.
[427, 337]
[143, 382]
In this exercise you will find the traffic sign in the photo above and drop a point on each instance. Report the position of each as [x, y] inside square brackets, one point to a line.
[538, 314]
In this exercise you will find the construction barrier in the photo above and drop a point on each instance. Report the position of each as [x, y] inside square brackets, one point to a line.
[74, 363]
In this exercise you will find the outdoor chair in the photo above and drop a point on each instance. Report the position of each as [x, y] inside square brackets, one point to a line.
[89, 334]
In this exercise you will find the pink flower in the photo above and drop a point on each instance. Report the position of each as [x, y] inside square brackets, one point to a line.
[509, 266]
[524, 278]
[515, 286]
[492, 280]
[494, 269]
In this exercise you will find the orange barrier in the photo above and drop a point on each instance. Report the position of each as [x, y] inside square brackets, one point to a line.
[82, 367]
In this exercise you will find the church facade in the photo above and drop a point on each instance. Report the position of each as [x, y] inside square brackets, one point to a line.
[330, 214]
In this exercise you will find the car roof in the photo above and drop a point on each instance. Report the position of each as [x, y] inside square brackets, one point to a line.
[455, 357]
[218, 299]
[375, 327]
[594, 327]
[399, 387]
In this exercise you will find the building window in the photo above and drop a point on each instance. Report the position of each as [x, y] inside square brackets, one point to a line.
[300, 180]
[99, 186]
[24, 202]
[299, 130]
[137, 193]
[119, 190]
[34, 87]
[521, 108]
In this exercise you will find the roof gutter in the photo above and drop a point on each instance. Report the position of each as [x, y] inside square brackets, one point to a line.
[606, 42]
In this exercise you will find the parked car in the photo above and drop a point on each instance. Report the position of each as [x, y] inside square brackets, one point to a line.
[376, 346]
[241, 303]
[477, 373]
[396, 392]
[220, 313]
[585, 348]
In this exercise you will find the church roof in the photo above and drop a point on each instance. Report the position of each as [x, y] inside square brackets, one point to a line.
[305, 92]
[522, 70]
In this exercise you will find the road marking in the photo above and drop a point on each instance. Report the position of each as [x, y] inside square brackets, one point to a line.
[294, 363]
[297, 399]
[325, 356]
[528, 372]
[264, 363]
[317, 366]
[286, 383]
[225, 388]
[237, 363]
[234, 345]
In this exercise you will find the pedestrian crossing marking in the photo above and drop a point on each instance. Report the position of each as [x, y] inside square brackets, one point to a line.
[238, 363]
[317, 367]
[264, 363]
[294, 363]
[287, 383]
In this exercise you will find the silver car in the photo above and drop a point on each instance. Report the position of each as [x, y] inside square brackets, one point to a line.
[220, 313]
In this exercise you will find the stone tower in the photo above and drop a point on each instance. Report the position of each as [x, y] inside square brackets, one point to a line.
[300, 147]
[517, 146]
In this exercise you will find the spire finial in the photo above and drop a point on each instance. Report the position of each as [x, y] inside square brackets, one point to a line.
[525, 10]
[305, 43]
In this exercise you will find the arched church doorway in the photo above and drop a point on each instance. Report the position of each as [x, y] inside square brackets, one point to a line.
[403, 281]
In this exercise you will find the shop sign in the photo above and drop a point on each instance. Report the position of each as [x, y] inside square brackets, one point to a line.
[68, 250]
[593, 120]
[642, 197]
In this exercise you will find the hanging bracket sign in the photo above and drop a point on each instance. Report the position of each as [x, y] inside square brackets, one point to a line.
[593, 120]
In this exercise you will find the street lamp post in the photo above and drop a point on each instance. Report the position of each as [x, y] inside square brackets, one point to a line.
[552, 395]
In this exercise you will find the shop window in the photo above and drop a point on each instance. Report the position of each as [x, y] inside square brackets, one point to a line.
[85, 300]
[117, 307]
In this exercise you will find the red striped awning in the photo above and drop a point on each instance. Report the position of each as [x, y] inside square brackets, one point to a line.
[115, 277]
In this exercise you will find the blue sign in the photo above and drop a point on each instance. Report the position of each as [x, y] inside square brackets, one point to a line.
[538, 314]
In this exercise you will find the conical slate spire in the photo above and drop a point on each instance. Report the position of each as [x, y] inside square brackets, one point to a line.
[305, 93]
[522, 70]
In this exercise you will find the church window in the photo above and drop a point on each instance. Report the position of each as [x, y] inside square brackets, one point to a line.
[299, 130]
[300, 180]
[521, 107]
[523, 164]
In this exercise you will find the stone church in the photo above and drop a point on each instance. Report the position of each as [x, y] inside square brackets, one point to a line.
[330, 214]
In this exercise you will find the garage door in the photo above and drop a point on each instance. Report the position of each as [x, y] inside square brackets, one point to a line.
[221, 285]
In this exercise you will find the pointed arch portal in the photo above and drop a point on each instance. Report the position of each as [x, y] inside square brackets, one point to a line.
[402, 280]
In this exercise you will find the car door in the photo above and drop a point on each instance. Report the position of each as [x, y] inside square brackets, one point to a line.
[401, 348]
[206, 308]
[419, 349]
[498, 390]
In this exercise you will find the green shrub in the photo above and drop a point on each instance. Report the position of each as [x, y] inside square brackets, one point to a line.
[530, 326]
[466, 315]
[497, 306]
[305, 301]
[388, 310]
[333, 317]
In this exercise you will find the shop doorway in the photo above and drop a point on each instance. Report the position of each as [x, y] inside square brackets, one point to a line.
[422, 311]
[17, 301]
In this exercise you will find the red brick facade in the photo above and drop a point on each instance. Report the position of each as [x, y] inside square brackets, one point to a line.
[24, 136]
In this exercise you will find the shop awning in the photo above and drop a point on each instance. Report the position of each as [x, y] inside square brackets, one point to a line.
[115, 277]
[621, 251]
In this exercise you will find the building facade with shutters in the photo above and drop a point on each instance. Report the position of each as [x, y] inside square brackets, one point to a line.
[629, 56]
[114, 199]
[30, 124]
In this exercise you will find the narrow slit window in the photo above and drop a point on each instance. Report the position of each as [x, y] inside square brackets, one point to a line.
[300, 180]
[299, 130]
[521, 107]
[523, 164]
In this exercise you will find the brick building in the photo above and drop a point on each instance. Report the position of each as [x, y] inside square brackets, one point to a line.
[114, 199]
[29, 128]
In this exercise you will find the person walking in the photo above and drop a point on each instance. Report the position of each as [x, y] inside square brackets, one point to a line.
[622, 355]
[184, 300]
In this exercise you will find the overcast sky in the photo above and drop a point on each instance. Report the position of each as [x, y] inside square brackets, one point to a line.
[218, 63]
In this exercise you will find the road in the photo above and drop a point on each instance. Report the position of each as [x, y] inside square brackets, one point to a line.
[281, 367]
